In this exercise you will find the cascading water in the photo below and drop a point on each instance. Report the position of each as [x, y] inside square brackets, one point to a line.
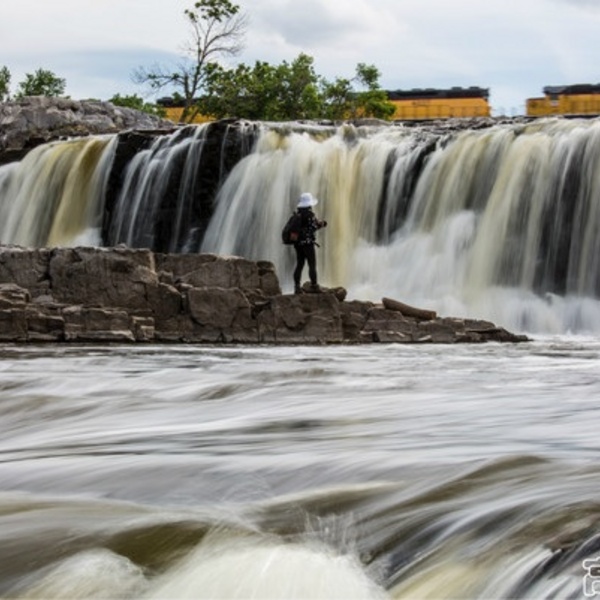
[55, 195]
[500, 223]
[170, 162]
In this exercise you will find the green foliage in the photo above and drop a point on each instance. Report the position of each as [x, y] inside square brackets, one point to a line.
[264, 92]
[368, 76]
[374, 101]
[4, 84]
[291, 91]
[212, 10]
[217, 29]
[41, 83]
[338, 99]
[138, 103]
[288, 91]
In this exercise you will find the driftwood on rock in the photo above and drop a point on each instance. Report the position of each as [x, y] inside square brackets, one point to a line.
[409, 311]
[122, 294]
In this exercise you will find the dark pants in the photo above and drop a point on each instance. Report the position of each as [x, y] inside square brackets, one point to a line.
[305, 253]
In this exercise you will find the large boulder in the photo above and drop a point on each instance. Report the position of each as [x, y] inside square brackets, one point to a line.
[210, 270]
[34, 120]
[301, 319]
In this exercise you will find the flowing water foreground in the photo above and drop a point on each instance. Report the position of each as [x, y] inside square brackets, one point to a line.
[317, 472]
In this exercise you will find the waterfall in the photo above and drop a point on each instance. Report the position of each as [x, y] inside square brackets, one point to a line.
[500, 222]
[170, 162]
[55, 195]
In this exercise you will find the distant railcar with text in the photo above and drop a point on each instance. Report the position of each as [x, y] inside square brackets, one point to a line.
[430, 103]
[569, 100]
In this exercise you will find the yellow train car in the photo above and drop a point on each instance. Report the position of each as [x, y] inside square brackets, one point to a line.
[430, 103]
[174, 110]
[570, 100]
[173, 113]
[410, 105]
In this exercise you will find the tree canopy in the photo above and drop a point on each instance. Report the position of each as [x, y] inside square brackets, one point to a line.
[288, 91]
[40, 83]
[217, 29]
[292, 91]
[138, 103]
[265, 91]
[4, 83]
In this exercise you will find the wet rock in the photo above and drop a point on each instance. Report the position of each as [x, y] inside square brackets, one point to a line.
[13, 325]
[301, 319]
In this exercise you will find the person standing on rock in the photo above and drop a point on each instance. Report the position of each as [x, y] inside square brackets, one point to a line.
[305, 245]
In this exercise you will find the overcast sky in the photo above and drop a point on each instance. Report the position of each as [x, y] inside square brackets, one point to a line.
[512, 47]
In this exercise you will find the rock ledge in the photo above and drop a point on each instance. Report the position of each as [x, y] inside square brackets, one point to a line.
[134, 295]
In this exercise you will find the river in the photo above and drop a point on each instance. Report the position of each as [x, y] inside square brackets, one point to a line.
[389, 471]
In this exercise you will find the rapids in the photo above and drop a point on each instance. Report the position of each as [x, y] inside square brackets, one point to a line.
[143, 472]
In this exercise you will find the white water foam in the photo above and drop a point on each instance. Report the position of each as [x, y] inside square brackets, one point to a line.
[265, 569]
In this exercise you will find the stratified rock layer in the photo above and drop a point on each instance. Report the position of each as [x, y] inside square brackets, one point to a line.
[135, 295]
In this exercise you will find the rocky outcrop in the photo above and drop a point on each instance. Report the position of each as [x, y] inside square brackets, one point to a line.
[35, 120]
[134, 295]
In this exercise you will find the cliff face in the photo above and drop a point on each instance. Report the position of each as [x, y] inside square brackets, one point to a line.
[130, 295]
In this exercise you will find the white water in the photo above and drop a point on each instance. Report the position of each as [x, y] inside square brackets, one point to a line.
[148, 180]
[55, 195]
[396, 471]
[472, 242]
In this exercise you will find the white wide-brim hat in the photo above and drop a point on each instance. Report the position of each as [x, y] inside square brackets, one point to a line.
[307, 200]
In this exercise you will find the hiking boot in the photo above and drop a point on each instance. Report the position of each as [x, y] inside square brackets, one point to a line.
[315, 288]
[298, 290]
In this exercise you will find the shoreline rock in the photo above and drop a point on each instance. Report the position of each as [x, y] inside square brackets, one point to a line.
[126, 295]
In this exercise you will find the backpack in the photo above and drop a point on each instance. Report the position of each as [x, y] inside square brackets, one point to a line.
[291, 230]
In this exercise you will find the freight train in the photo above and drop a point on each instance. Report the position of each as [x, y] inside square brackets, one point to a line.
[582, 99]
[430, 103]
[458, 102]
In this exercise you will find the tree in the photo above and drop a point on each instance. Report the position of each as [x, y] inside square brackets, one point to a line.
[4, 84]
[264, 92]
[246, 92]
[300, 95]
[41, 83]
[374, 101]
[344, 101]
[138, 103]
[217, 29]
[338, 99]
[292, 91]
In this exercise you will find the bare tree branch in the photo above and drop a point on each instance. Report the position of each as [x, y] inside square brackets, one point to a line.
[217, 29]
